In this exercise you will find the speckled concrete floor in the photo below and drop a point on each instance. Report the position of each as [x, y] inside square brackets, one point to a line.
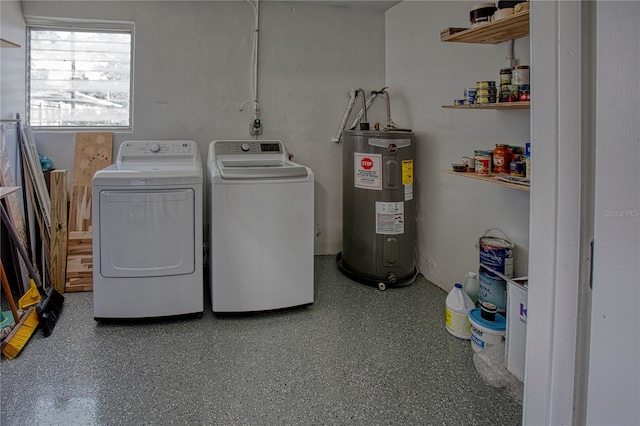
[358, 356]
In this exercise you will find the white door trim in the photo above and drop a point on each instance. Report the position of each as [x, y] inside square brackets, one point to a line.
[555, 214]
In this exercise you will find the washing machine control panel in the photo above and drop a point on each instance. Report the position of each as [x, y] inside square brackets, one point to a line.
[131, 150]
[248, 147]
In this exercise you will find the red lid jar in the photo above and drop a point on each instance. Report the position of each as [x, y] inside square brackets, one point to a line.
[501, 159]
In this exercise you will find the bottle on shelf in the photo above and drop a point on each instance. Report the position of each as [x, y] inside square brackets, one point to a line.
[471, 286]
[501, 158]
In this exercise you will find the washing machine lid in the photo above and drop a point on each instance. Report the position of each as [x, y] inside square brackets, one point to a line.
[251, 159]
[260, 169]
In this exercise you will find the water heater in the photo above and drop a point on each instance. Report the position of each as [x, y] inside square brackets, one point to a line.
[378, 219]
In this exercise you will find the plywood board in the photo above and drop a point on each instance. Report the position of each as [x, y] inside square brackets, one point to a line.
[58, 246]
[93, 152]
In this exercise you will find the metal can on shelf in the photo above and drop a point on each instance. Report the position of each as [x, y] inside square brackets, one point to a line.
[517, 168]
[505, 76]
[482, 160]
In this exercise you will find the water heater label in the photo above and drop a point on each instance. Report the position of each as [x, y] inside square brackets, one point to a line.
[367, 171]
[389, 218]
[407, 172]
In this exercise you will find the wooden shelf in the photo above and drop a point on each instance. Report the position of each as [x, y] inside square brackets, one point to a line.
[499, 105]
[491, 179]
[509, 28]
[7, 43]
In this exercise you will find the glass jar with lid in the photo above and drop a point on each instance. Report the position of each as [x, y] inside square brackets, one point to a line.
[501, 158]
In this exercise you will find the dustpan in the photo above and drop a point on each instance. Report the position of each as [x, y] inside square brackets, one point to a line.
[6, 319]
[31, 297]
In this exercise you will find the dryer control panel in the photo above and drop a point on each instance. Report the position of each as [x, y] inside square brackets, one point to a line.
[158, 150]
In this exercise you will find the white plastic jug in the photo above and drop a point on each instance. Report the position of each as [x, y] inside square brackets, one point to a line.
[458, 305]
[471, 286]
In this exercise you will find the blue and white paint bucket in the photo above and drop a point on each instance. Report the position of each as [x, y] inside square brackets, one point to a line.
[496, 253]
[493, 289]
[485, 334]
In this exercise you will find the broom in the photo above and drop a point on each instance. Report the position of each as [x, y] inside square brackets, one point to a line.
[50, 306]
[19, 336]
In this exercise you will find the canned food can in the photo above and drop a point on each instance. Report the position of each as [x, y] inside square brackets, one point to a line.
[482, 100]
[504, 93]
[514, 93]
[483, 84]
[505, 76]
[482, 92]
[517, 168]
[470, 101]
[458, 101]
[482, 163]
[470, 163]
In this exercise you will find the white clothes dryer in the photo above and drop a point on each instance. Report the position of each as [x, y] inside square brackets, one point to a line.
[148, 232]
[261, 227]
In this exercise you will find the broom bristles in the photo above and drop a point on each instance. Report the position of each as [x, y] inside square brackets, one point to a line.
[21, 334]
[49, 310]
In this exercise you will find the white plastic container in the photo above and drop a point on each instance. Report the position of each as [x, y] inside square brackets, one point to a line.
[471, 286]
[485, 334]
[458, 305]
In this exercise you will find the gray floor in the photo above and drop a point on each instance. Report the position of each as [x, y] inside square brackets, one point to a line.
[357, 356]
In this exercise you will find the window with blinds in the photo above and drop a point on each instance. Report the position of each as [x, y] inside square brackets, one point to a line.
[79, 75]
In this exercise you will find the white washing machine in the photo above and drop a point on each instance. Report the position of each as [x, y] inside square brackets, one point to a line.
[261, 227]
[148, 232]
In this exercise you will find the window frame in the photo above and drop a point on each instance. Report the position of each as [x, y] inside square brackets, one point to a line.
[66, 24]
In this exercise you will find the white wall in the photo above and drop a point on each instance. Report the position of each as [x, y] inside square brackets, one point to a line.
[12, 99]
[424, 74]
[193, 71]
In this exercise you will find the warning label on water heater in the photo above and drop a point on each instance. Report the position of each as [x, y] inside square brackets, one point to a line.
[389, 218]
[367, 171]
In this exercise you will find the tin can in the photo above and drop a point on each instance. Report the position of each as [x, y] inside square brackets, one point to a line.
[470, 163]
[504, 93]
[518, 168]
[482, 160]
[470, 92]
[505, 76]
[471, 101]
[482, 100]
[514, 93]
[483, 84]
[520, 75]
[458, 101]
[482, 92]
[501, 158]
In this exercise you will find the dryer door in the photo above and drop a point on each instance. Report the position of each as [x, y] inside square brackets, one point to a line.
[147, 233]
